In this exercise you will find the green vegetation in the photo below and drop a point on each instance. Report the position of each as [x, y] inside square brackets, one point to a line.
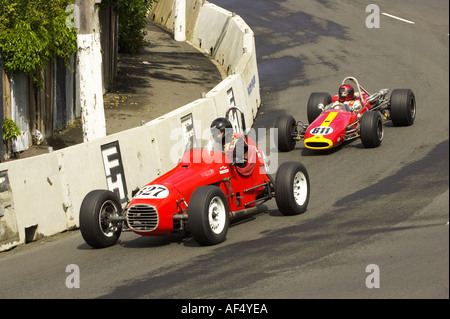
[10, 130]
[32, 32]
[132, 22]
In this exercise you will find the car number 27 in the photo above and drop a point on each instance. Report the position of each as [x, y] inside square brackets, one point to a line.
[153, 191]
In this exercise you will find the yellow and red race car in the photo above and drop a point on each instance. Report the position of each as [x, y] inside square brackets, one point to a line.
[353, 113]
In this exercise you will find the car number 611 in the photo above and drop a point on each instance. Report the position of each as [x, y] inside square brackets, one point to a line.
[321, 130]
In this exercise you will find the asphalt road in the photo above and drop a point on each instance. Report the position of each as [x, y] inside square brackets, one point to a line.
[374, 213]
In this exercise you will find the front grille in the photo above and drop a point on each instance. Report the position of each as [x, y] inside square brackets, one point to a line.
[317, 144]
[142, 218]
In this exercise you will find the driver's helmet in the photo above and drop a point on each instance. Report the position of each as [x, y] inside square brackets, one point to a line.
[222, 130]
[346, 93]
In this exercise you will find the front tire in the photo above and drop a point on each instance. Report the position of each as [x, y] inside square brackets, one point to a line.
[208, 215]
[97, 208]
[372, 129]
[402, 107]
[286, 126]
[292, 188]
[314, 100]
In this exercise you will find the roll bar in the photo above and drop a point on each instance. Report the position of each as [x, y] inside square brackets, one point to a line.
[237, 108]
[359, 87]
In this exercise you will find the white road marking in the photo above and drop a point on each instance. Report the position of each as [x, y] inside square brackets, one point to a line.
[394, 17]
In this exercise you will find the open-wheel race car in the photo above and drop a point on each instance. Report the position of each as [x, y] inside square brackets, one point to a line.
[352, 113]
[206, 192]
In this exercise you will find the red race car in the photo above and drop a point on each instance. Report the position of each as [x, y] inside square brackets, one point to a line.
[202, 195]
[353, 113]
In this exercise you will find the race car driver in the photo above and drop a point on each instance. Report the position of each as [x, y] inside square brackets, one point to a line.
[232, 144]
[347, 98]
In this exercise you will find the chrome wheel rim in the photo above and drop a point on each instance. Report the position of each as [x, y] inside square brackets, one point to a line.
[107, 211]
[217, 215]
[300, 187]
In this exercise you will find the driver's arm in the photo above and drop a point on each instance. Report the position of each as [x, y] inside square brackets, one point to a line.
[240, 149]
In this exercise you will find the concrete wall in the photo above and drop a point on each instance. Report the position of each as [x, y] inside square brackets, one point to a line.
[42, 195]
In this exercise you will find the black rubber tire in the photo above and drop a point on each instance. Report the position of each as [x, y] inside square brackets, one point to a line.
[286, 126]
[95, 208]
[402, 107]
[314, 100]
[284, 188]
[372, 129]
[198, 215]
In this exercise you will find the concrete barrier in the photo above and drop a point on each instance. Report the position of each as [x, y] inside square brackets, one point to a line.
[230, 41]
[42, 195]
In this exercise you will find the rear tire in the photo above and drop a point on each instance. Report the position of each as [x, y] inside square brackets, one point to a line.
[286, 126]
[208, 215]
[402, 107]
[292, 188]
[372, 129]
[95, 212]
[314, 100]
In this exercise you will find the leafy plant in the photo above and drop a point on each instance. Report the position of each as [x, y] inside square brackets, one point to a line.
[32, 32]
[10, 130]
[132, 22]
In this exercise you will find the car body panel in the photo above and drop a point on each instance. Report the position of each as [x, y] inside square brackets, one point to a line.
[169, 194]
[330, 128]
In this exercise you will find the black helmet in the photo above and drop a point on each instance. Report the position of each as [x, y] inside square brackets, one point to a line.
[222, 125]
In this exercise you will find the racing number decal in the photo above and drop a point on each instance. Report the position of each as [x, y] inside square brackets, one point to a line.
[153, 191]
[115, 175]
[321, 130]
[324, 128]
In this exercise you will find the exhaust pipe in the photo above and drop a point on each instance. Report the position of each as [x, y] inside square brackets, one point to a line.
[243, 214]
[234, 216]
